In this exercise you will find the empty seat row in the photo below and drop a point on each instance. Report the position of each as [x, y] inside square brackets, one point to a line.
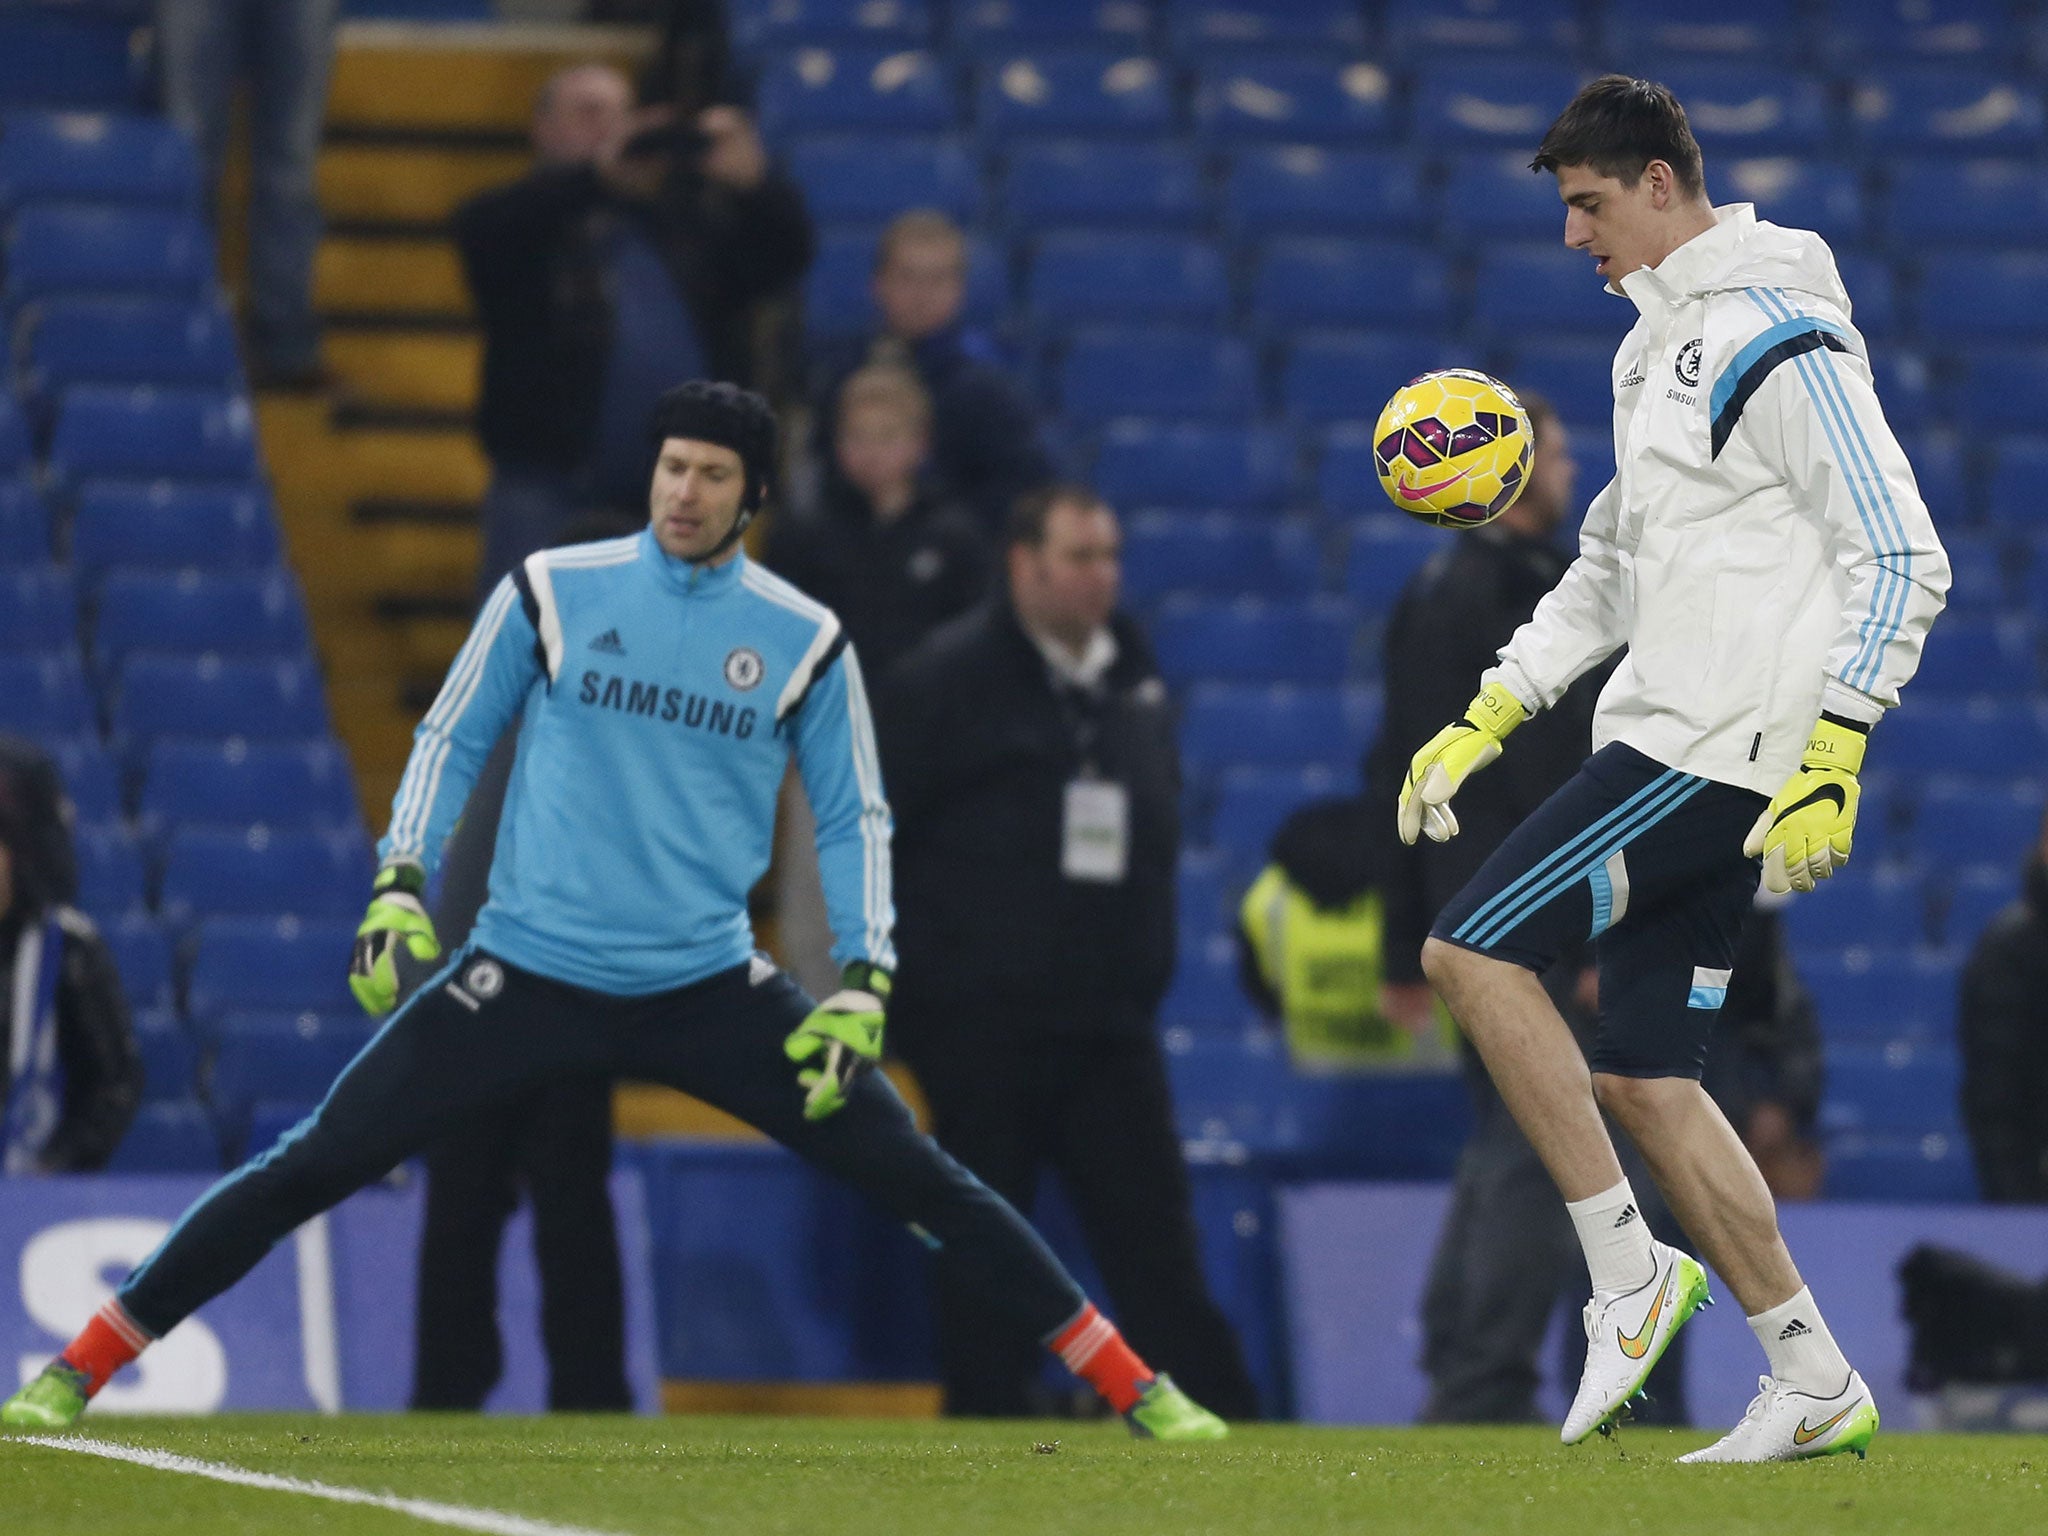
[169, 524]
[179, 610]
[209, 871]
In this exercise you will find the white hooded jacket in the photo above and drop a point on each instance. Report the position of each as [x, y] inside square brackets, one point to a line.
[1762, 548]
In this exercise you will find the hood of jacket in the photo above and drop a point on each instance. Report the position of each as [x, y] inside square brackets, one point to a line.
[1741, 251]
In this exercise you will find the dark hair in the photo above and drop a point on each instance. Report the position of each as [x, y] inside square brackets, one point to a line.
[1618, 125]
[1030, 512]
[724, 414]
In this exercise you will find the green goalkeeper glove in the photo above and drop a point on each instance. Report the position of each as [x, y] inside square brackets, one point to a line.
[1804, 834]
[395, 917]
[845, 1031]
[1452, 756]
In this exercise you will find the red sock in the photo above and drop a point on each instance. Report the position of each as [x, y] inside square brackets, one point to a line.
[107, 1343]
[1093, 1350]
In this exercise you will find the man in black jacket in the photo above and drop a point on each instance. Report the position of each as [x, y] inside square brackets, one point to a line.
[2003, 1022]
[629, 258]
[1032, 767]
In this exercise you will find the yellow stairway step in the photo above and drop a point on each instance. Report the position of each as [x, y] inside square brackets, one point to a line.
[421, 370]
[410, 465]
[391, 75]
[389, 275]
[407, 183]
[414, 557]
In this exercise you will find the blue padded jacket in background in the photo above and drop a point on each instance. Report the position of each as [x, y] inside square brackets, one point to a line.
[661, 704]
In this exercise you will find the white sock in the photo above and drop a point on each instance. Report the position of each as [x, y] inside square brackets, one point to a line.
[1616, 1239]
[1803, 1354]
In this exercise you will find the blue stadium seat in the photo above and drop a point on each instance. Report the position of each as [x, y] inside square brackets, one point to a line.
[854, 177]
[1975, 32]
[91, 779]
[1873, 995]
[1905, 386]
[1222, 465]
[1252, 802]
[1218, 554]
[1969, 203]
[838, 291]
[279, 1055]
[1310, 189]
[1156, 372]
[991, 26]
[1294, 101]
[197, 434]
[245, 963]
[44, 694]
[1818, 195]
[1347, 477]
[61, 248]
[1873, 291]
[1931, 1169]
[1204, 995]
[1971, 655]
[1750, 109]
[1977, 895]
[1943, 110]
[72, 56]
[1390, 284]
[1883, 912]
[1995, 296]
[1274, 726]
[1228, 28]
[1773, 27]
[1980, 583]
[1932, 735]
[1422, 29]
[1545, 288]
[238, 783]
[262, 872]
[1485, 103]
[110, 871]
[857, 88]
[15, 448]
[1978, 819]
[1074, 93]
[1895, 1088]
[1384, 555]
[125, 341]
[174, 1136]
[1493, 196]
[1126, 276]
[1574, 374]
[1253, 641]
[38, 609]
[199, 611]
[1047, 185]
[24, 523]
[170, 1056]
[2018, 485]
[1941, 470]
[169, 524]
[142, 954]
[201, 696]
[1203, 892]
[95, 157]
[900, 23]
[1342, 375]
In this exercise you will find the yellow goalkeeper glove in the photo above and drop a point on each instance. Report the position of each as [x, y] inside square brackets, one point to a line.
[1804, 834]
[1453, 755]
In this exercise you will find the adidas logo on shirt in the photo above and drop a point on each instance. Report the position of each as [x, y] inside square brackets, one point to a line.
[1628, 1214]
[1794, 1330]
[609, 643]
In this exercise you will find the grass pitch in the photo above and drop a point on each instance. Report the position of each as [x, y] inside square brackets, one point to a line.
[813, 1477]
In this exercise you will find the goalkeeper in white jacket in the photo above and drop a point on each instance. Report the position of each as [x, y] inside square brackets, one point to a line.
[1766, 558]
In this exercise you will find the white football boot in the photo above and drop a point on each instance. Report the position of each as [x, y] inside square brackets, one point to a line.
[1784, 1425]
[1626, 1336]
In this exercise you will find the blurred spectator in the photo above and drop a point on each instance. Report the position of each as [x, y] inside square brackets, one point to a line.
[70, 1078]
[631, 257]
[880, 549]
[282, 50]
[986, 444]
[1765, 1068]
[2003, 1023]
[1031, 762]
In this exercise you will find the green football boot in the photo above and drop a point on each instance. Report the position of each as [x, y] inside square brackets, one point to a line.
[54, 1400]
[1165, 1412]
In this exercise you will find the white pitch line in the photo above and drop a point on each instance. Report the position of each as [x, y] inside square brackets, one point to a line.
[490, 1521]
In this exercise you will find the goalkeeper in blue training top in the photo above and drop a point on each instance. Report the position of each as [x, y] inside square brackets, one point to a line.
[662, 684]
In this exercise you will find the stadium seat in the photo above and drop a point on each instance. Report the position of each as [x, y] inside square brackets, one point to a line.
[1750, 109]
[56, 248]
[1494, 196]
[1219, 555]
[1271, 726]
[239, 783]
[1229, 28]
[1489, 103]
[38, 609]
[1203, 894]
[873, 177]
[838, 291]
[24, 523]
[1894, 1088]
[1922, 110]
[1253, 641]
[1205, 995]
[1222, 465]
[1125, 276]
[1385, 554]
[125, 341]
[1310, 189]
[1976, 32]
[1905, 387]
[1983, 820]
[1422, 29]
[1818, 195]
[1772, 27]
[91, 779]
[1299, 283]
[275, 963]
[198, 611]
[856, 88]
[44, 694]
[1252, 802]
[1347, 477]
[1980, 583]
[2016, 495]
[1545, 288]
[279, 1055]
[1873, 291]
[1574, 374]
[95, 157]
[1342, 375]
[1931, 735]
[170, 1056]
[1942, 472]
[1883, 912]
[1074, 94]
[171, 525]
[110, 871]
[79, 57]
[258, 871]
[177, 695]
[174, 1136]
[142, 954]
[983, 27]
[1969, 903]
[1872, 995]
[1967, 203]
[1930, 1169]
[187, 433]
[1294, 101]
[1971, 655]
[1065, 183]
[16, 452]
[1156, 372]
[900, 23]
[1984, 296]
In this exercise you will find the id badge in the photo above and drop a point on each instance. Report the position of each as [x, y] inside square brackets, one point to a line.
[1096, 841]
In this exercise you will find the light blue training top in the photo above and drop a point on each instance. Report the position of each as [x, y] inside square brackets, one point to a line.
[661, 702]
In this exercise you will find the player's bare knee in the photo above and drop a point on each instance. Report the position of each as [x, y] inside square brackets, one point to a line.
[1443, 963]
[1638, 1100]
